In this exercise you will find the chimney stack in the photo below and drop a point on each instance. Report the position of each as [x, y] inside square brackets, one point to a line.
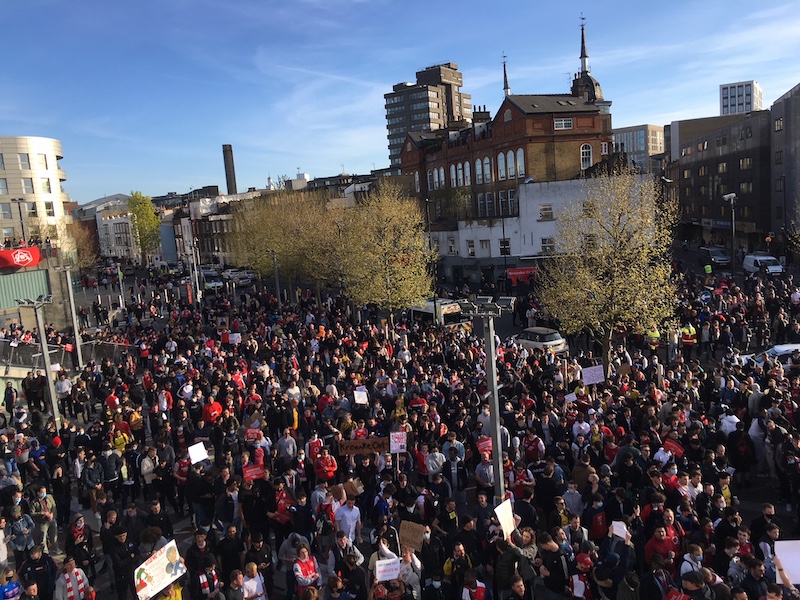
[230, 171]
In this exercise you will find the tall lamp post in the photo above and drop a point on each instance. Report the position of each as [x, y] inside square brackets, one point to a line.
[78, 352]
[38, 308]
[435, 264]
[277, 280]
[732, 199]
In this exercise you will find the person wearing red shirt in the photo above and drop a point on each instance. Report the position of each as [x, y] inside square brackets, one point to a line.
[664, 546]
[325, 466]
[212, 411]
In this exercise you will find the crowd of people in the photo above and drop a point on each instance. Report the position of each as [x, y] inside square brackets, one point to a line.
[628, 488]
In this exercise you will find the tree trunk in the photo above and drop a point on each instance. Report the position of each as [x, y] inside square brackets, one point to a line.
[318, 294]
[607, 351]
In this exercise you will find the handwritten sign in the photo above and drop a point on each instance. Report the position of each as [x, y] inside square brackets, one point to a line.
[505, 514]
[360, 395]
[162, 568]
[235, 338]
[397, 442]
[367, 446]
[387, 569]
[411, 535]
[592, 375]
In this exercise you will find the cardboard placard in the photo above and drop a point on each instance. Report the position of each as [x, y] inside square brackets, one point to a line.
[485, 445]
[624, 369]
[354, 488]
[674, 447]
[387, 569]
[198, 453]
[397, 442]
[592, 375]
[367, 446]
[162, 568]
[253, 472]
[412, 535]
[505, 514]
[255, 420]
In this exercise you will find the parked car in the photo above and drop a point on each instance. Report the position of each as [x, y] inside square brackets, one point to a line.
[229, 274]
[762, 263]
[540, 338]
[780, 353]
[213, 283]
[714, 256]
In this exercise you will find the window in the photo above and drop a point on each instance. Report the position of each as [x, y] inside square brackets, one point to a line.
[722, 167]
[471, 248]
[31, 209]
[779, 124]
[2, 164]
[548, 245]
[722, 189]
[489, 204]
[441, 177]
[746, 187]
[3, 187]
[8, 232]
[779, 184]
[510, 164]
[430, 180]
[503, 197]
[486, 247]
[416, 181]
[507, 115]
[481, 205]
[460, 178]
[505, 247]
[702, 171]
[451, 245]
[487, 169]
[452, 176]
[46, 189]
[586, 157]
[779, 157]
[467, 177]
[513, 209]
[603, 148]
[42, 161]
[5, 210]
[687, 173]
[745, 164]
[49, 210]
[562, 124]
[520, 163]
[501, 166]
[545, 212]
[478, 172]
[27, 185]
[24, 161]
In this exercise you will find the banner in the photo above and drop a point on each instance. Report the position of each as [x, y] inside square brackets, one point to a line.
[162, 568]
[20, 257]
[367, 446]
[397, 442]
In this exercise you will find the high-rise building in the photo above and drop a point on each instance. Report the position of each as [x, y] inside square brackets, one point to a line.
[785, 148]
[639, 142]
[739, 97]
[433, 102]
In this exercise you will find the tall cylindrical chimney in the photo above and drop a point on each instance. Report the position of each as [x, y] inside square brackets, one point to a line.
[230, 171]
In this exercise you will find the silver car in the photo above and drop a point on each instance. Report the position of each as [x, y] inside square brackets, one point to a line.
[541, 338]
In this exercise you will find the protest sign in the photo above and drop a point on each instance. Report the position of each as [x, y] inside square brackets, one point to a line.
[367, 446]
[360, 395]
[593, 375]
[505, 514]
[235, 338]
[387, 569]
[674, 447]
[789, 553]
[252, 433]
[618, 529]
[252, 472]
[162, 568]
[198, 453]
[485, 445]
[411, 535]
[397, 442]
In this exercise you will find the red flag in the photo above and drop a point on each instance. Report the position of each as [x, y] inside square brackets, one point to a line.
[20, 257]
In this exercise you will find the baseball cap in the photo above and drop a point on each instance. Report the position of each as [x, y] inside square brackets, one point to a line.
[584, 560]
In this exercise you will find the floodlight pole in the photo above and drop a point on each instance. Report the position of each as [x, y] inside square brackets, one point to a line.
[38, 307]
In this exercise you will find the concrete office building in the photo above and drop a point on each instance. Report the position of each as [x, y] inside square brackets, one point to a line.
[640, 142]
[434, 102]
[785, 132]
[32, 198]
[739, 97]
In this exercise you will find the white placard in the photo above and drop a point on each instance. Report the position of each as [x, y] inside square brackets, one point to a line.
[571, 397]
[235, 338]
[505, 514]
[618, 529]
[397, 442]
[198, 453]
[360, 395]
[593, 375]
[162, 568]
[789, 553]
[387, 569]
[55, 367]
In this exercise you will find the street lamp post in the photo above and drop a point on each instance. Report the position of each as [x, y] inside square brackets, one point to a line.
[732, 199]
[435, 264]
[78, 352]
[38, 308]
[277, 280]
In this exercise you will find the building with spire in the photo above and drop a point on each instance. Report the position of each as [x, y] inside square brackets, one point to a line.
[539, 137]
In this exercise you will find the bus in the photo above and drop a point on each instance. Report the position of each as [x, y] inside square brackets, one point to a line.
[446, 313]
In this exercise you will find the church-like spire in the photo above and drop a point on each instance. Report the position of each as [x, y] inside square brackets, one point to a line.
[584, 53]
[506, 87]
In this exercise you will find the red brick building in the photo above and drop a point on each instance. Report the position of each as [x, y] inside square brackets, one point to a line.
[539, 138]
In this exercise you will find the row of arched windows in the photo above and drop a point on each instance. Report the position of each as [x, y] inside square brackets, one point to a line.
[508, 166]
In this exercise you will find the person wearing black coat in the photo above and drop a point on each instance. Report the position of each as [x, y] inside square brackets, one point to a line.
[159, 518]
[656, 582]
[125, 558]
[41, 568]
[525, 510]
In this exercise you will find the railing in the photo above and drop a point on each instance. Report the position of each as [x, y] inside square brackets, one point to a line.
[29, 355]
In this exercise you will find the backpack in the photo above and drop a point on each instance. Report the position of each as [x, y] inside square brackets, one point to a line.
[324, 523]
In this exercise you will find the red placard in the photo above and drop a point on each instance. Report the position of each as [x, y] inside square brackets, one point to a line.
[674, 594]
[485, 445]
[252, 433]
[68, 347]
[20, 257]
[252, 472]
[674, 447]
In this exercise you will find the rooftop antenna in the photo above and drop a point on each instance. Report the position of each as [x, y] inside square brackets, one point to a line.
[506, 87]
[569, 75]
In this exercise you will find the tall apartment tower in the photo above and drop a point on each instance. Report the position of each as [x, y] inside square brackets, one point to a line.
[434, 102]
[739, 97]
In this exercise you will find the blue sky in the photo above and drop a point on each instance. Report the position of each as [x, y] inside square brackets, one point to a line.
[143, 94]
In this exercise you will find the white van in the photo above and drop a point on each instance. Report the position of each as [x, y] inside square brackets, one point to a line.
[762, 263]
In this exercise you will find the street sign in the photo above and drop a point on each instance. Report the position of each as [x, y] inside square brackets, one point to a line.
[705, 296]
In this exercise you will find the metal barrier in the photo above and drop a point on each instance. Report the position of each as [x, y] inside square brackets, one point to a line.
[29, 355]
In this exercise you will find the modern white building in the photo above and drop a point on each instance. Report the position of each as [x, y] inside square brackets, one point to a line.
[31, 195]
[114, 226]
[739, 97]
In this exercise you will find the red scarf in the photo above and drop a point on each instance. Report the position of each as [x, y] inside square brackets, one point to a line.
[81, 585]
[206, 585]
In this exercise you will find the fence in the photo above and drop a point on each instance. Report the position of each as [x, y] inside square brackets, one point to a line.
[29, 356]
